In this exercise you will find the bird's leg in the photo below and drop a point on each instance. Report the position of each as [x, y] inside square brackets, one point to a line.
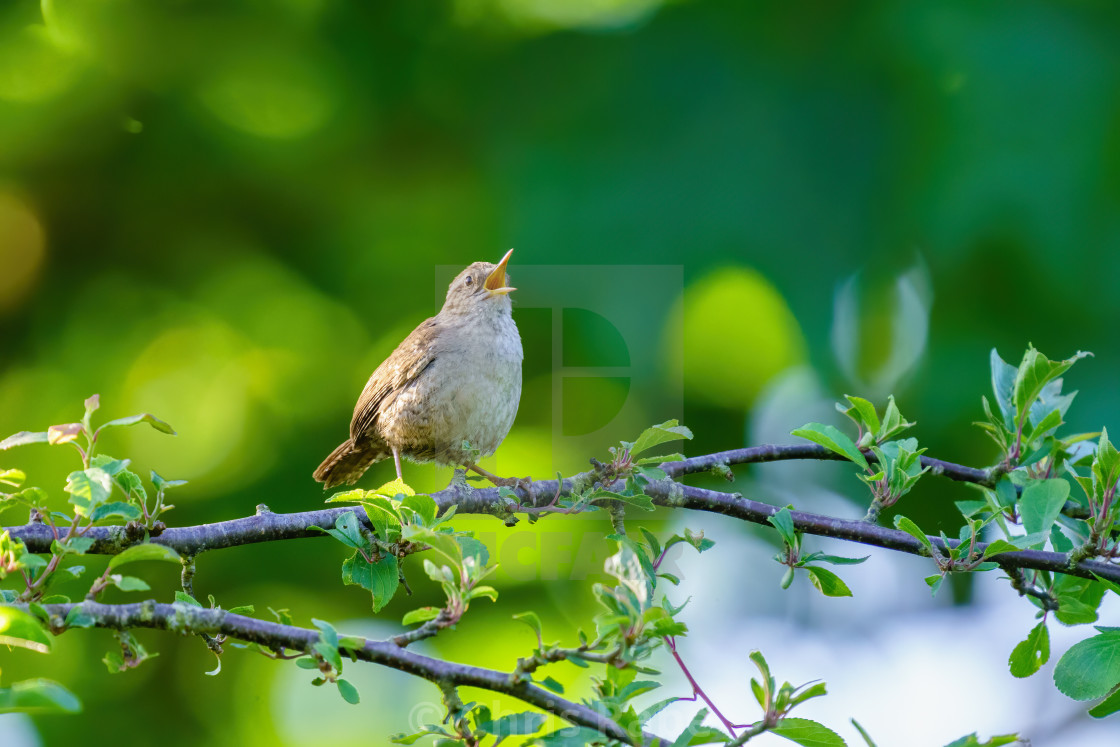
[397, 461]
[524, 483]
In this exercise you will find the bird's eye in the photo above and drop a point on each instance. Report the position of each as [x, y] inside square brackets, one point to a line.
[469, 280]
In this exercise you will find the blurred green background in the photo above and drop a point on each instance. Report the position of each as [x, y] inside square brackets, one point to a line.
[227, 213]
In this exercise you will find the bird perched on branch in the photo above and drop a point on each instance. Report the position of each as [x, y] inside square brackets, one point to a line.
[456, 378]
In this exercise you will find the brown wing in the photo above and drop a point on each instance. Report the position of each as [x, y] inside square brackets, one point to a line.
[404, 364]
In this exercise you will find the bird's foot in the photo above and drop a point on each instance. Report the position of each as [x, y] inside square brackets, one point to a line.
[459, 478]
[517, 483]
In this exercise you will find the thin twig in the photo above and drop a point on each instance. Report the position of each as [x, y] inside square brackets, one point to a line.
[698, 691]
[181, 618]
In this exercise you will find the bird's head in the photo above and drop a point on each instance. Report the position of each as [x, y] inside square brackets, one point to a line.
[483, 285]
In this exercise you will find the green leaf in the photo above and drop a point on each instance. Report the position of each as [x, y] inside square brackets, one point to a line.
[863, 733]
[109, 464]
[77, 617]
[74, 570]
[1108, 706]
[381, 578]
[552, 684]
[283, 616]
[1106, 467]
[145, 552]
[1058, 540]
[827, 582]
[697, 733]
[1027, 541]
[38, 696]
[351, 645]
[116, 509]
[148, 418]
[383, 518]
[651, 474]
[807, 733]
[1005, 492]
[130, 484]
[638, 687]
[327, 632]
[12, 477]
[783, 522]
[641, 501]
[31, 497]
[696, 539]
[393, 488]
[1091, 668]
[403, 738]
[1035, 372]
[659, 623]
[1029, 655]
[329, 653]
[424, 506]
[472, 547]
[1003, 386]
[162, 484]
[114, 662]
[348, 531]
[908, 526]
[72, 546]
[670, 430]
[832, 439]
[1041, 502]
[569, 736]
[423, 614]
[511, 724]
[971, 740]
[483, 591]
[969, 509]
[23, 438]
[818, 557]
[184, 598]
[652, 541]
[663, 458]
[442, 544]
[655, 709]
[1051, 421]
[29, 561]
[357, 495]
[243, 609]
[1075, 612]
[893, 423]
[866, 411]
[19, 628]
[89, 489]
[530, 619]
[129, 583]
[995, 547]
[348, 692]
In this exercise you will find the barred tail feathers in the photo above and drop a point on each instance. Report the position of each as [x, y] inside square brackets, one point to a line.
[346, 464]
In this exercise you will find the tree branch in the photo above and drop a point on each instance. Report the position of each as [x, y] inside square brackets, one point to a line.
[186, 619]
[667, 493]
[781, 453]
[266, 526]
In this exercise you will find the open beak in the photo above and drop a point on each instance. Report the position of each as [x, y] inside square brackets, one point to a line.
[496, 280]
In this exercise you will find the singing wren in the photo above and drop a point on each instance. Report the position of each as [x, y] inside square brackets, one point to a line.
[455, 378]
